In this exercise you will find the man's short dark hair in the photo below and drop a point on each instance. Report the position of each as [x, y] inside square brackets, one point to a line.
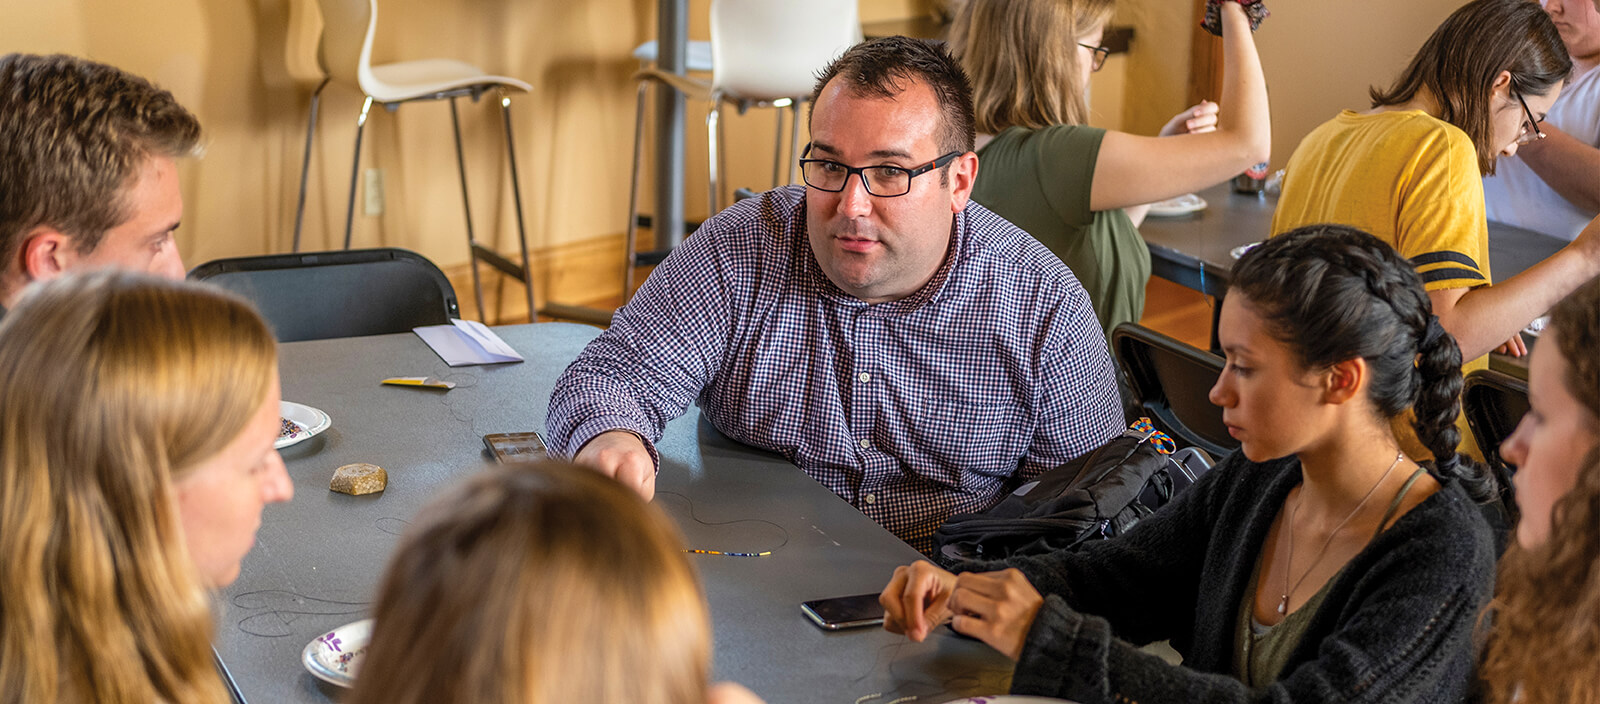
[883, 68]
[73, 135]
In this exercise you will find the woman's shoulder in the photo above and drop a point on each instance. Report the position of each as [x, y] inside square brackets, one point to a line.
[1045, 138]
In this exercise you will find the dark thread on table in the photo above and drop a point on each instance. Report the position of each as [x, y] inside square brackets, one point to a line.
[387, 525]
[922, 688]
[715, 524]
[276, 621]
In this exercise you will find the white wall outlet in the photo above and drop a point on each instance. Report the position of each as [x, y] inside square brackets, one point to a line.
[373, 201]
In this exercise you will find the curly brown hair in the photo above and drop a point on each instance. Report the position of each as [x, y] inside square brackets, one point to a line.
[1544, 642]
[73, 135]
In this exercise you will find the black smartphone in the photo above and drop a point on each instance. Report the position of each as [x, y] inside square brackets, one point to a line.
[844, 611]
[516, 447]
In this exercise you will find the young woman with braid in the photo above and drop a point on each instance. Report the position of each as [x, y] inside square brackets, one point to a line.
[1544, 638]
[1317, 564]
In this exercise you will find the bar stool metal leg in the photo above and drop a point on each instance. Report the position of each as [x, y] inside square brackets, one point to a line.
[516, 199]
[628, 260]
[355, 171]
[794, 143]
[305, 162]
[466, 206]
[713, 151]
[777, 148]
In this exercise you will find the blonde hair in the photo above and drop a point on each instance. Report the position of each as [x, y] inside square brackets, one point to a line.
[1544, 642]
[1022, 58]
[538, 584]
[113, 385]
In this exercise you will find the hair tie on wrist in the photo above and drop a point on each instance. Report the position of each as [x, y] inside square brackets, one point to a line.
[1253, 9]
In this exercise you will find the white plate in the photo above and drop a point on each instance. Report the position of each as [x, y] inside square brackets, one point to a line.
[1010, 699]
[1182, 205]
[1239, 251]
[335, 656]
[310, 420]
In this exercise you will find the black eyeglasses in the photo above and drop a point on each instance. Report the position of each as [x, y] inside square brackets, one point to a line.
[881, 181]
[1530, 129]
[1100, 54]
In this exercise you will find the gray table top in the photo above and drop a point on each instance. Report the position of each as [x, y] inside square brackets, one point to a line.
[318, 559]
[1194, 250]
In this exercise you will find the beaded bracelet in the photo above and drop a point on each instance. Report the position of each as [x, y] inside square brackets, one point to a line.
[1255, 10]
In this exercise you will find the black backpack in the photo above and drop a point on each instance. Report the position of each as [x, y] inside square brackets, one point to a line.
[1098, 495]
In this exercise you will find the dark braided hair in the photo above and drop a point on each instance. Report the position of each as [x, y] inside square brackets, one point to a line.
[1333, 293]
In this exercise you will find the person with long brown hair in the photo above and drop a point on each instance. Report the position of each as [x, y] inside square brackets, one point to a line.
[1544, 638]
[1409, 170]
[1079, 189]
[538, 584]
[137, 421]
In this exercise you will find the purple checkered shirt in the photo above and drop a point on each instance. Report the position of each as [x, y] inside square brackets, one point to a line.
[911, 410]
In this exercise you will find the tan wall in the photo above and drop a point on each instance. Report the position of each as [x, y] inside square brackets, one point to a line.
[1319, 58]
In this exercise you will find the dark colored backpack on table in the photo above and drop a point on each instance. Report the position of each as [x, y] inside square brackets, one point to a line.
[1098, 495]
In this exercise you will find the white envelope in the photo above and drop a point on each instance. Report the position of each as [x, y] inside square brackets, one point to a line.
[467, 342]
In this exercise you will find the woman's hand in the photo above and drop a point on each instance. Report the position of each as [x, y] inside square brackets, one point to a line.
[997, 608]
[1198, 119]
[917, 599]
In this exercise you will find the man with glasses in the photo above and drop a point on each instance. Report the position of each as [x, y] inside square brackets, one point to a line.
[1553, 183]
[912, 351]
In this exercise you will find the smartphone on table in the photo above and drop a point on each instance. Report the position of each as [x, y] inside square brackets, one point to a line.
[844, 611]
[516, 447]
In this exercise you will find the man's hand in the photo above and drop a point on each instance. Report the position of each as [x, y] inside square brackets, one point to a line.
[917, 599]
[997, 608]
[622, 456]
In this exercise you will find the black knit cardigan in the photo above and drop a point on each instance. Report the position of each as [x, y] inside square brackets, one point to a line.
[1396, 626]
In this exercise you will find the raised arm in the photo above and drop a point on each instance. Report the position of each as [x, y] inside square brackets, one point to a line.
[1483, 318]
[1566, 165]
[1132, 169]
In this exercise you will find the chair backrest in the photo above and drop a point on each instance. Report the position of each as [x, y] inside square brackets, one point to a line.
[319, 295]
[347, 29]
[1172, 381]
[1494, 404]
[770, 49]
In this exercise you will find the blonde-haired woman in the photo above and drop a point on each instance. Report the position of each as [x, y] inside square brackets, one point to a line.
[1076, 188]
[137, 420]
[1545, 641]
[539, 584]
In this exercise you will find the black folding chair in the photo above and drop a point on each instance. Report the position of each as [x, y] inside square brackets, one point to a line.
[1494, 403]
[1171, 382]
[319, 295]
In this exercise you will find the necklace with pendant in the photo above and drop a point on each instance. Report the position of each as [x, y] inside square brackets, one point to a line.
[1288, 564]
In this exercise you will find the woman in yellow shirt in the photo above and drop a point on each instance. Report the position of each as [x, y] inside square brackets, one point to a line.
[1410, 169]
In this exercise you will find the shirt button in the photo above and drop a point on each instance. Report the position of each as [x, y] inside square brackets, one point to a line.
[865, 443]
[870, 499]
[865, 377]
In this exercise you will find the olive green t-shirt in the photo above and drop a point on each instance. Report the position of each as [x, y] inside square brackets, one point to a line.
[1040, 181]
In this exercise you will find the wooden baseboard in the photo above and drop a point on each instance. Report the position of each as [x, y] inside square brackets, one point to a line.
[585, 273]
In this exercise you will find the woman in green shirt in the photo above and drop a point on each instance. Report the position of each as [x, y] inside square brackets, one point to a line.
[1079, 189]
